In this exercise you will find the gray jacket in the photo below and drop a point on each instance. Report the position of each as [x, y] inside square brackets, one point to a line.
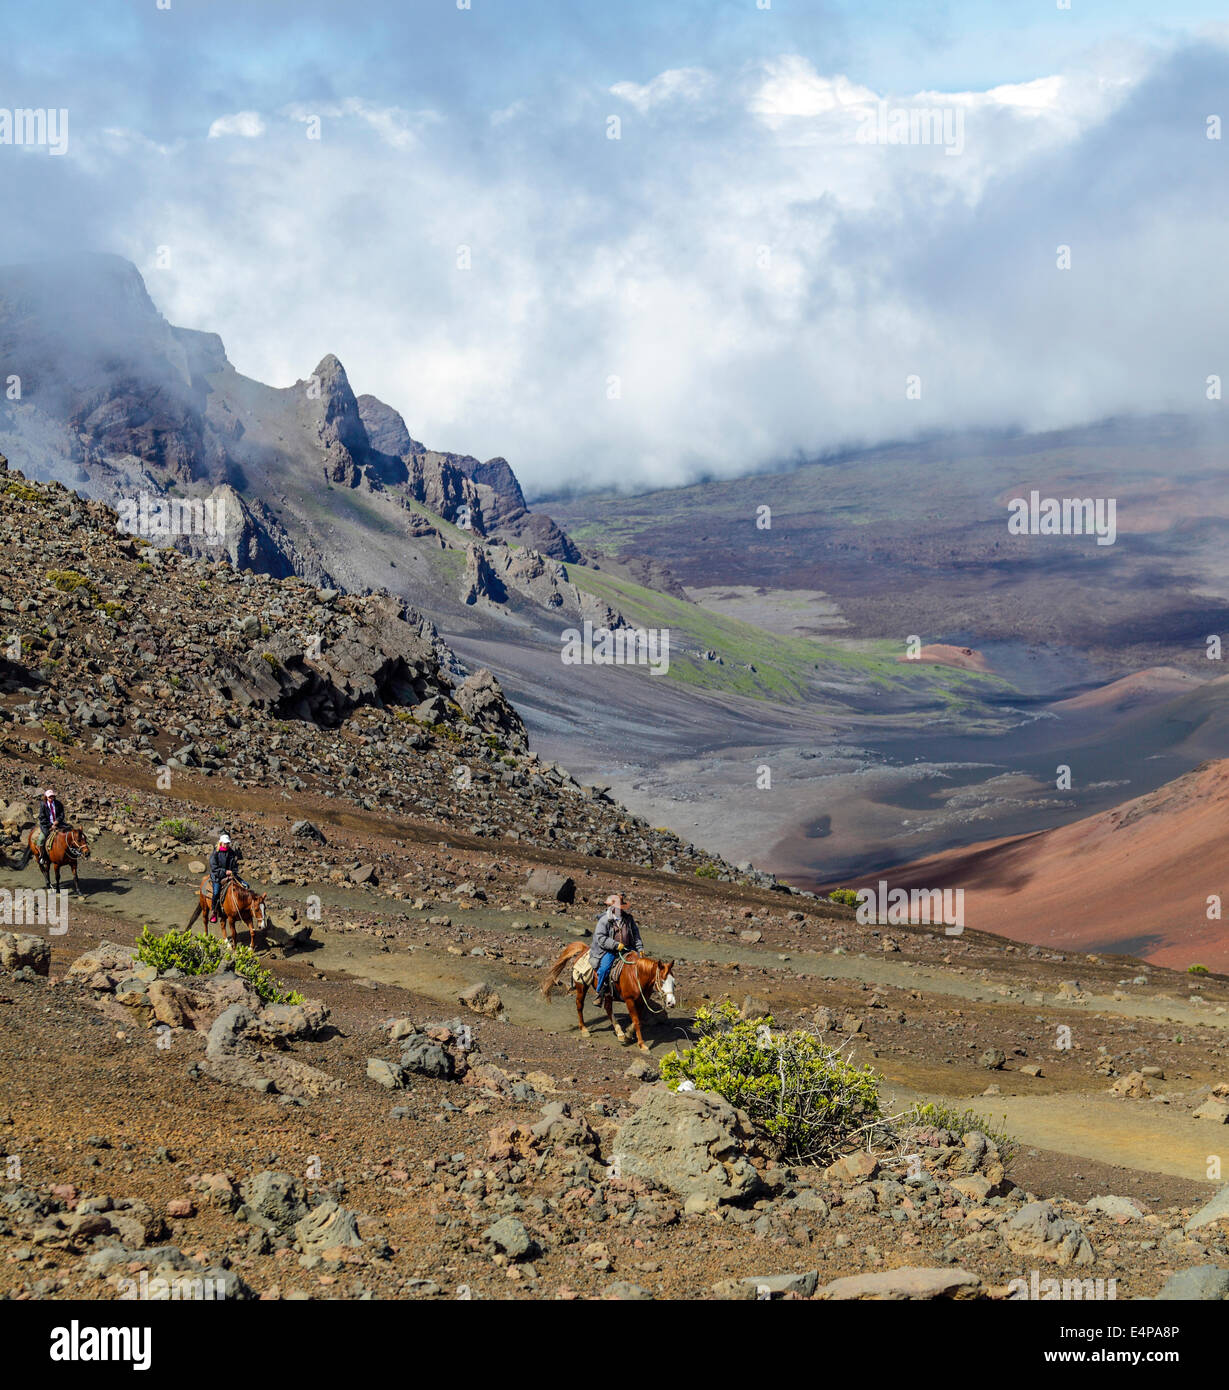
[606, 935]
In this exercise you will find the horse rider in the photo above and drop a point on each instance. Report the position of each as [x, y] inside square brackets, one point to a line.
[223, 865]
[51, 817]
[615, 933]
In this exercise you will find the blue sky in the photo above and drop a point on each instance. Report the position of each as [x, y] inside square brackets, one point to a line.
[756, 281]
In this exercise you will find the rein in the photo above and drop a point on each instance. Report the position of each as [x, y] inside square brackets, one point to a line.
[644, 998]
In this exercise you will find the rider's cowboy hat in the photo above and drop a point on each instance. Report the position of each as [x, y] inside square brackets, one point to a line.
[48, 793]
[616, 900]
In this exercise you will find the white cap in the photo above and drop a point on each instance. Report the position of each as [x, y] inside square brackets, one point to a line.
[49, 792]
[224, 839]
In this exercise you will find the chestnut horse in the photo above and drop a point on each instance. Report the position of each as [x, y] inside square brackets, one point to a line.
[61, 847]
[238, 904]
[638, 979]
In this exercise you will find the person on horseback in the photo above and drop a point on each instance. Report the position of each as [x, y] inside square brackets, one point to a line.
[615, 933]
[223, 866]
[51, 817]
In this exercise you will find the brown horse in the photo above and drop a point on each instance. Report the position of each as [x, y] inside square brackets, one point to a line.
[238, 904]
[639, 978]
[61, 847]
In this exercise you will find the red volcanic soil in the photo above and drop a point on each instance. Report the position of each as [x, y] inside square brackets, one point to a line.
[943, 655]
[1134, 880]
[1141, 687]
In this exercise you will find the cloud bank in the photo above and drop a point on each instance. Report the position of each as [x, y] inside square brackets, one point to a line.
[697, 271]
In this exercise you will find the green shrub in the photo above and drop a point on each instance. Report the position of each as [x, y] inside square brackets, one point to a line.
[182, 830]
[1190, 969]
[848, 896]
[807, 1097]
[68, 581]
[960, 1123]
[54, 729]
[22, 491]
[708, 871]
[197, 953]
[274, 663]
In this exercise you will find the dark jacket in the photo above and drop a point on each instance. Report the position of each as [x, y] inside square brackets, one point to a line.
[222, 859]
[44, 815]
[608, 935]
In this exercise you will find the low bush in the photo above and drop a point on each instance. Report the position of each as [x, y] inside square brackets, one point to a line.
[805, 1096]
[68, 581]
[182, 830]
[960, 1123]
[848, 896]
[197, 953]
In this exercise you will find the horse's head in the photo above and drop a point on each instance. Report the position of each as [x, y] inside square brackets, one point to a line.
[258, 912]
[78, 844]
[663, 979]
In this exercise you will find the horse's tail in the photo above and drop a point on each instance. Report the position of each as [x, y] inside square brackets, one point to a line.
[195, 914]
[566, 957]
[24, 857]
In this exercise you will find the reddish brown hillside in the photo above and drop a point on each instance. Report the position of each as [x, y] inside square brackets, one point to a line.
[1136, 879]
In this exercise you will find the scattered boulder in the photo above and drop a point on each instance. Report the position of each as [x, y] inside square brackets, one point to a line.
[694, 1143]
[1204, 1283]
[274, 1199]
[546, 883]
[427, 1058]
[1211, 1212]
[327, 1227]
[1039, 1233]
[483, 999]
[906, 1283]
[20, 951]
[509, 1235]
[386, 1074]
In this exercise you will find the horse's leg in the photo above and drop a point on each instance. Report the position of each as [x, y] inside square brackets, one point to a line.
[610, 1015]
[76, 881]
[44, 865]
[252, 931]
[581, 990]
[634, 1014]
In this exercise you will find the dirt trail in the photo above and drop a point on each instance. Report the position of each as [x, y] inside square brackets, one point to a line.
[1147, 1137]
[1144, 1135]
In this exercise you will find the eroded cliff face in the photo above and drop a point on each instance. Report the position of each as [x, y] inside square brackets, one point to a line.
[117, 403]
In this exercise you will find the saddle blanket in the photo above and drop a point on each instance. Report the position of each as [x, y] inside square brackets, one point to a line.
[583, 971]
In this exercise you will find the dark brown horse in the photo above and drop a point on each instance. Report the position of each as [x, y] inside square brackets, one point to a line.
[61, 847]
[638, 980]
[238, 904]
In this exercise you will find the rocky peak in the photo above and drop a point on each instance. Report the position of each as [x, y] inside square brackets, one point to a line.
[386, 429]
[339, 425]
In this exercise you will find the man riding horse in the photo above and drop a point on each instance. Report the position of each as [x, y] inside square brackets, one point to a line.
[223, 865]
[616, 933]
[51, 817]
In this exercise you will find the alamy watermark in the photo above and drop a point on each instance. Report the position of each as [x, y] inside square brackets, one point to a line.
[180, 1287]
[898, 907]
[1035, 515]
[35, 125]
[35, 907]
[913, 125]
[164, 518]
[1038, 1289]
[620, 646]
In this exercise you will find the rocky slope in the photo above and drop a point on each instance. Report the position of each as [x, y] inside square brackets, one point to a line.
[123, 652]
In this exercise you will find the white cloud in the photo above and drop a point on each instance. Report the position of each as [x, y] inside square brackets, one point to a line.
[248, 124]
[674, 85]
[760, 282]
